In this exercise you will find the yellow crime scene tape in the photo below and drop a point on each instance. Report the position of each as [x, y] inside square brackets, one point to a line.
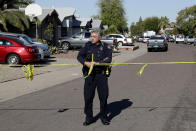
[29, 69]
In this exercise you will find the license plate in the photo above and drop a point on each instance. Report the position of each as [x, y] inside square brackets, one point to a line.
[156, 46]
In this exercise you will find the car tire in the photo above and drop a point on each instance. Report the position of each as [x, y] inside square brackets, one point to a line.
[13, 59]
[65, 46]
[120, 43]
[166, 49]
[149, 50]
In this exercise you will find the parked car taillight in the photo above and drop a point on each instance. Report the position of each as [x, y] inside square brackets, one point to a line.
[31, 50]
[147, 42]
[114, 42]
[164, 42]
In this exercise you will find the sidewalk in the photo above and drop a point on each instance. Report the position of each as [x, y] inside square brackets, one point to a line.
[51, 76]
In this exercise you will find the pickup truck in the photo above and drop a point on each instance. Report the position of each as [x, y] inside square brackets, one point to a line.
[157, 42]
[78, 40]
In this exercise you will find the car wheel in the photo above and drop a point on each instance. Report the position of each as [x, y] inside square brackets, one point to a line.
[166, 49]
[65, 46]
[13, 59]
[120, 43]
[149, 50]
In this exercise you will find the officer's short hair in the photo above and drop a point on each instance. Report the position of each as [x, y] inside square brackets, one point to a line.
[96, 31]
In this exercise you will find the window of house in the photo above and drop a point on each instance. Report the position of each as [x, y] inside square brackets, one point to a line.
[63, 31]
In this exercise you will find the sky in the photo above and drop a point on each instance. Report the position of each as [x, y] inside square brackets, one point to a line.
[133, 8]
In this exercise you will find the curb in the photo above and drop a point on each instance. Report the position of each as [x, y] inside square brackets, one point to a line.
[129, 48]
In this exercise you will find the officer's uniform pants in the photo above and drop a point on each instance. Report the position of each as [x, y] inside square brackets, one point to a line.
[92, 82]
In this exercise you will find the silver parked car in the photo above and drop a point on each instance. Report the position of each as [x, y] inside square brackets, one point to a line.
[79, 40]
[189, 39]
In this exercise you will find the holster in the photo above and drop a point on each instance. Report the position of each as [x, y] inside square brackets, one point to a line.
[85, 71]
[105, 71]
[108, 71]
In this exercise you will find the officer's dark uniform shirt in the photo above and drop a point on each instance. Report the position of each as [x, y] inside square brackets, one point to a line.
[102, 53]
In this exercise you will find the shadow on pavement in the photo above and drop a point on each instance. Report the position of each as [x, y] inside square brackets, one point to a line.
[115, 108]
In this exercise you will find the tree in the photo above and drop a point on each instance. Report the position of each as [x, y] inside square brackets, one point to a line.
[49, 33]
[133, 29]
[3, 22]
[164, 22]
[111, 29]
[140, 26]
[112, 14]
[137, 29]
[152, 23]
[14, 4]
[186, 21]
[14, 18]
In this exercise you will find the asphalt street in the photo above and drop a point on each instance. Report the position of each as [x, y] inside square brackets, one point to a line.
[162, 99]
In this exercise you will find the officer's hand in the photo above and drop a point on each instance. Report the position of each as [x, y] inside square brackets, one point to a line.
[88, 64]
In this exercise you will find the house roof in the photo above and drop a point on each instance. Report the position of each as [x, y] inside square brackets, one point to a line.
[81, 22]
[65, 12]
[96, 23]
[45, 12]
[105, 27]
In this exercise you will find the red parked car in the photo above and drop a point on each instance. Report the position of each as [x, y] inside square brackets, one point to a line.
[14, 51]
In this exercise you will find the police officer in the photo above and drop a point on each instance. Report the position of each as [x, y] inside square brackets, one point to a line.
[98, 78]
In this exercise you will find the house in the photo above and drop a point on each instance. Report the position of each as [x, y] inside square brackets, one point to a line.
[66, 15]
[72, 23]
[49, 25]
[81, 24]
[97, 24]
[49, 17]
[168, 29]
[65, 23]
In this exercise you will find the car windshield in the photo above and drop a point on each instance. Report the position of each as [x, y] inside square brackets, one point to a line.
[180, 36]
[190, 36]
[157, 38]
[28, 39]
[24, 41]
[20, 41]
